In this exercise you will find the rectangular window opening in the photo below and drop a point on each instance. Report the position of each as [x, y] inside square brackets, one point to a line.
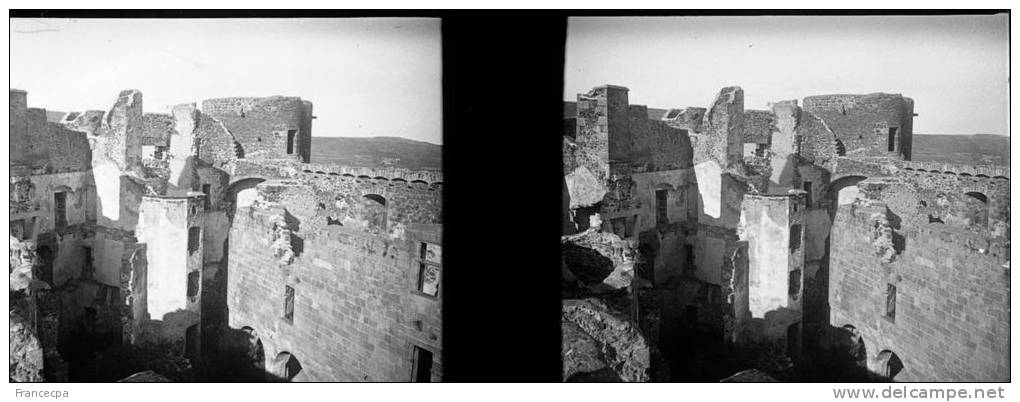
[290, 141]
[193, 283]
[890, 303]
[661, 207]
[794, 237]
[430, 258]
[689, 268]
[194, 236]
[807, 187]
[60, 209]
[207, 190]
[794, 287]
[87, 269]
[892, 139]
[422, 365]
[288, 304]
[629, 229]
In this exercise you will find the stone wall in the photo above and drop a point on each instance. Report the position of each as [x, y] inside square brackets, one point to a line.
[721, 138]
[600, 111]
[44, 146]
[862, 122]
[261, 125]
[773, 227]
[357, 314]
[410, 197]
[172, 272]
[952, 317]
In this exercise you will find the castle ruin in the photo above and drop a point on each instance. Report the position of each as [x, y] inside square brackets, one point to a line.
[800, 240]
[202, 244]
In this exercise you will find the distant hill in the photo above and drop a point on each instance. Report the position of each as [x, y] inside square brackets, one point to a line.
[977, 149]
[377, 152]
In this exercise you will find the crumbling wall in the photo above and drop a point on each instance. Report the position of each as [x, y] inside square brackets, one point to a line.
[758, 127]
[356, 313]
[44, 146]
[785, 146]
[157, 128]
[26, 352]
[773, 227]
[951, 320]
[602, 111]
[599, 261]
[261, 125]
[219, 146]
[652, 145]
[41, 189]
[721, 138]
[19, 138]
[614, 342]
[862, 122]
[166, 228]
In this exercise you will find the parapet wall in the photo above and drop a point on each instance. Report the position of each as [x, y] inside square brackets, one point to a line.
[951, 297]
[410, 197]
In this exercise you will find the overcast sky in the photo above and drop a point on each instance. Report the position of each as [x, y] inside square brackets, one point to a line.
[956, 68]
[365, 77]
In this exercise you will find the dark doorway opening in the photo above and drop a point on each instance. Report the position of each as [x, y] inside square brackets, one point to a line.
[422, 365]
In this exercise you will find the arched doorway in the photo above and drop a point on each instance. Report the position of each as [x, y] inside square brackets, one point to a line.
[888, 364]
[844, 190]
[855, 348]
[254, 367]
[286, 367]
[242, 192]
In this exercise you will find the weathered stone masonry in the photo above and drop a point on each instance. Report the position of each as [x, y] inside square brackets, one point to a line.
[778, 189]
[133, 212]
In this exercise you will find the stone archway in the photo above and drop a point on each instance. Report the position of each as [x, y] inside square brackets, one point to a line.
[286, 367]
[844, 190]
[241, 193]
[254, 355]
[887, 364]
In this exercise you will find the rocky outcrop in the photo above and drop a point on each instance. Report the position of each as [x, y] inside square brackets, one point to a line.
[600, 344]
[600, 261]
[752, 375]
[145, 376]
[26, 358]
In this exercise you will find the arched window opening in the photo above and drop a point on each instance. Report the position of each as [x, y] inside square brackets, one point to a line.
[976, 205]
[287, 366]
[191, 342]
[844, 190]
[980, 197]
[888, 364]
[374, 211]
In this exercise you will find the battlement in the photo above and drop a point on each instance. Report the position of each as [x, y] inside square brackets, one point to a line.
[980, 171]
[242, 106]
[429, 177]
[848, 101]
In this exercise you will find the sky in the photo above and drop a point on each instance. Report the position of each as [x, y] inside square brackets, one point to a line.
[956, 68]
[366, 77]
